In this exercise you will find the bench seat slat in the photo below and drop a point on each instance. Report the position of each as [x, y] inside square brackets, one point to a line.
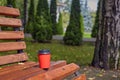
[9, 11]
[11, 35]
[13, 58]
[10, 22]
[24, 73]
[57, 74]
[16, 67]
[8, 46]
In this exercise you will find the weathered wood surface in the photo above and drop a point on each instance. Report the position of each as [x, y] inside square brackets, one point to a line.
[18, 66]
[7, 46]
[10, 22]
[57, 74]
[9, 11]
[11, 35]
[13, 58]
[24, 73]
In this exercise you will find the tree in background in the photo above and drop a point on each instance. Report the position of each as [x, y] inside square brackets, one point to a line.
[11, 3]
[74, 35]
[106, 54]
[60, 25]
[2, 2]
[53, 10]
[42, 30]
[96, 24]
[25, 12]
[31, 15]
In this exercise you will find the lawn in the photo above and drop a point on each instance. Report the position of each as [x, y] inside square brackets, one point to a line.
[81, 55]
[87, 35]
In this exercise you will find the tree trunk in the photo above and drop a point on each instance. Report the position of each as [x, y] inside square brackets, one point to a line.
[106, 53]
[113, 34]
[97, 58]
[25, 13]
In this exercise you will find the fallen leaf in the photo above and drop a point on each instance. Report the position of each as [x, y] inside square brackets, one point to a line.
[103, 70]
[100, 75]
[86, 72]
[93, 78]
[114, 76]
[85, 68]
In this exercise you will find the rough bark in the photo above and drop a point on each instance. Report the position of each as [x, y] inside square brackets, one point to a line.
[106, 53]
[113, 34]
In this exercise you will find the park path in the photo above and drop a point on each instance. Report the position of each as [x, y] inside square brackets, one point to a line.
[59, 37]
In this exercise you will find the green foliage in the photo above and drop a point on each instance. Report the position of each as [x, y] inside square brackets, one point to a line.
[2, 2]
[60, 25]
[87, 35]
[65, 19]
[42, 34]
[42, 30]
[96, 24]
[74, 34]
[11, 3]
[53, 8]
[31, 12]
[29, 27]
[82, 24]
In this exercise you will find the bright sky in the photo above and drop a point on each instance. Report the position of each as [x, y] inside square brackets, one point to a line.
[93, 4]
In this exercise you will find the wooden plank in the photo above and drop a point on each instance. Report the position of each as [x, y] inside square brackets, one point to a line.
[15, 67]
[10, 22]
[53, 66]
[22, 74]
[9, 11]
[80, 77]
[13, 58]
[7, 46]
[11, 35]
[57, 74]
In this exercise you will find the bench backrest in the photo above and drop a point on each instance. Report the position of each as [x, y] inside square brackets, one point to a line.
[13, 38]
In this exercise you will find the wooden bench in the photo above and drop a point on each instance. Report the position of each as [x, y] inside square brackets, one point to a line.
[22, 69]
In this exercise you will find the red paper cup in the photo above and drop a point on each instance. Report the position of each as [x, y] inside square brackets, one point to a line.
[44, 59]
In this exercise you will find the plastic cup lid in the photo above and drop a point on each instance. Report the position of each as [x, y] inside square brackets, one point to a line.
[44, 51]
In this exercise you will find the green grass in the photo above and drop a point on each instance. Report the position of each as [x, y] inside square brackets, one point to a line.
[79, 54]
[87, 35]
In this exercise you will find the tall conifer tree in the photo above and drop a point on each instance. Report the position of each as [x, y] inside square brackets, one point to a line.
[73, 35]
[96, 24]
[42, 30]
[53, 8]
[31, 15]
